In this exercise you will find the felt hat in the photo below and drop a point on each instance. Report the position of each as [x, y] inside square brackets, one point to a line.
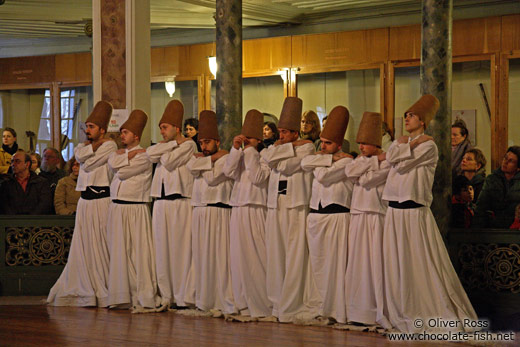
[425, 108]
[369, 131]
[208, 126]
[291, 115]
[173, 114]
[101, 114]
[135, 122]
[253, 124]
[337, 122]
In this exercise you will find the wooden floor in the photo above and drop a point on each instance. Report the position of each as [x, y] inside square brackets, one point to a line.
[40, 325]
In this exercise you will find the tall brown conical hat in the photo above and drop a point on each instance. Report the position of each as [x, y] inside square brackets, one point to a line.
[208, 126]
[135, 122]
[369, 131]
[426, 108]
[173, 114]
[253, 125]
[336, 126]
[101, 114]
[291, 115]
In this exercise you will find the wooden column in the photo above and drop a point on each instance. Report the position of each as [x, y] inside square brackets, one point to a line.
[436, 80]
[229, 75]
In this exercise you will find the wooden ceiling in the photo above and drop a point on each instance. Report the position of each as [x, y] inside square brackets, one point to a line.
[67, 18]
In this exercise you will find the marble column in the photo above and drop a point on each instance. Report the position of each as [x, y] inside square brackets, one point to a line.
[121, 56]
[436, 80]
[229, 74]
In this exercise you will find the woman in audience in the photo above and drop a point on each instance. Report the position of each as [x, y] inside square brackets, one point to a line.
[9, 147]
[462, 207]
[36, 162]
[191, 130]
[270, 133]
[473, 167]
[310, 128]
[459, 145]
[66, 196]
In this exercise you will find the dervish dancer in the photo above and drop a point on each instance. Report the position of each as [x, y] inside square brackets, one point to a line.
[420, 282]
[364, 277]
[329, 217]
[289, 190]
[84, 279]
[132, 279]
[171, 221]
[210, 220]
[247, 225]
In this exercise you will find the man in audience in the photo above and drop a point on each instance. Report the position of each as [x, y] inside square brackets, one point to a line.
[24, 192]
[500, 194]
[50, 168]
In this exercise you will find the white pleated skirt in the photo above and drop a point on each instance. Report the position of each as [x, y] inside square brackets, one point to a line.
[83, 281]
[420, 282]
[364, 281]
[132, 278]
[327, 236]
[210, 245]
[171, 224]
[248, 260]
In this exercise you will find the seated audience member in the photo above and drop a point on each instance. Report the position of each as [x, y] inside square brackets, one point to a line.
[459, 145]
[270, 133]
[191, 130]
[24, 192]
[516, 223]
[50, 168]
[66, 196]
[387, 137]
[501, 193]
[345, 147]
[310, 128]
[9, 147]
[462, 207]
[36, 161]
[473, 167]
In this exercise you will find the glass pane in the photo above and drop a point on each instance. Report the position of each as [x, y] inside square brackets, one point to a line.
[185, 91]
[358, 90]
[514, 103]
[467, 97]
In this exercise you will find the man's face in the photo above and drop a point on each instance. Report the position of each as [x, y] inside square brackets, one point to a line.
[209, 146]
[50, 161]
[168, 131]
[329, 147]
[367, 150]
[412, 122]
[510, 164]
[287, 136]
[18, 163]
[93, 132]
[128, 138]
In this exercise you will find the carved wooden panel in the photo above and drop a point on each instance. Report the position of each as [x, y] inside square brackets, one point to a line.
[113, 52]
[38, 69]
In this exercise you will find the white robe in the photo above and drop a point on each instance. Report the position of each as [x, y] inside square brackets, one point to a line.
[210, 235]
[247, 232]
[289, 284]
[327, 234]
[171, 221]
[84, 279]
[132, 278]
[364, 280]
[420, 281]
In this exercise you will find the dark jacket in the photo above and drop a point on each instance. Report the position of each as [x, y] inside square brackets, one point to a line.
[497, 201]
[35, 200]
[477, 182]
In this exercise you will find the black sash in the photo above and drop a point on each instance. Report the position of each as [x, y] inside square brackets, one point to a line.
[330, 209]
[282, 187]
[95, 192]
[219, 204]
[405, 205]
[124, 202]
[169, 197]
